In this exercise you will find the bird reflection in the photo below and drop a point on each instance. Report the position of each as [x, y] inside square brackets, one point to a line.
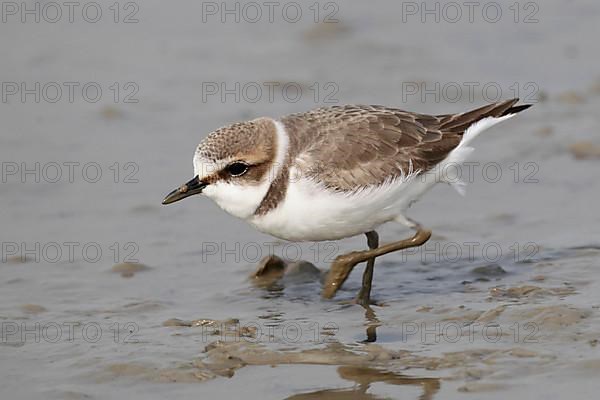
[273, 273]
[372, 323]
[363, 377]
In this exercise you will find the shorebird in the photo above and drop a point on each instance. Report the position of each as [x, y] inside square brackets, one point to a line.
[335, 172]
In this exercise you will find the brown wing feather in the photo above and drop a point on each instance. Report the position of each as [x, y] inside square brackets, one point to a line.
[365, 145]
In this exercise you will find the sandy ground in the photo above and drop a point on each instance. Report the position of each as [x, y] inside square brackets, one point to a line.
[105, 293]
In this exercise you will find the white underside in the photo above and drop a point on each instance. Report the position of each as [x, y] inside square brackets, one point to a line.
[310, 212]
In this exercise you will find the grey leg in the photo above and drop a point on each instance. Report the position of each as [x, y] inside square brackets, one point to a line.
[364, 296]
[343, 265]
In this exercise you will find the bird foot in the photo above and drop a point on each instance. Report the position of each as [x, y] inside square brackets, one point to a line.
[338, 273]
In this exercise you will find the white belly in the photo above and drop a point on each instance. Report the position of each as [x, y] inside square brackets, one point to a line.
[312, 213]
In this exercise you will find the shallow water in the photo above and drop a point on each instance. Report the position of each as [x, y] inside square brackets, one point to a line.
[503, 301]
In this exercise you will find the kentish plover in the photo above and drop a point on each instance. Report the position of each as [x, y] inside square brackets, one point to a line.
[335, 172]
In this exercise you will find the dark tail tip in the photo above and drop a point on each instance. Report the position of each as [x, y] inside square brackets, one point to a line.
[516, 109]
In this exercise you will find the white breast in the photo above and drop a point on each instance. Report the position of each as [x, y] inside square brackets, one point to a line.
[309, 212]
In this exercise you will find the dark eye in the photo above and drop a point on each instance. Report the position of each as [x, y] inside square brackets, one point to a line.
[237, 168]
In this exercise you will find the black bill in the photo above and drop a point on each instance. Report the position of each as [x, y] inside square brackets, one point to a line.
[195, 186]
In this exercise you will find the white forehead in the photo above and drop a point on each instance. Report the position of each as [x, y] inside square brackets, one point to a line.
[204, 167]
